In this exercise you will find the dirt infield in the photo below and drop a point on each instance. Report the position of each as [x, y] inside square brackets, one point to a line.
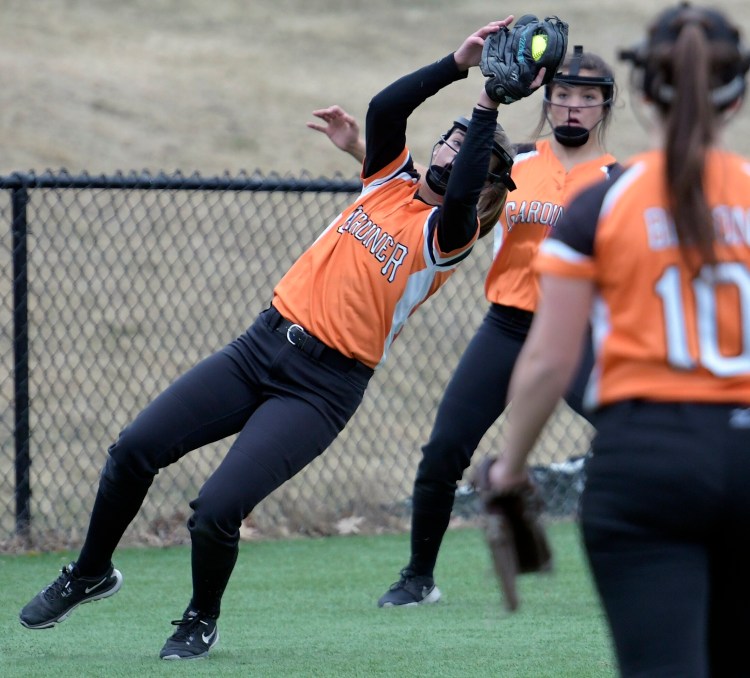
[102, 85]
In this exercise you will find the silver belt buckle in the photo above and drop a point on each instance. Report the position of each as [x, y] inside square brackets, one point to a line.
[297, 330]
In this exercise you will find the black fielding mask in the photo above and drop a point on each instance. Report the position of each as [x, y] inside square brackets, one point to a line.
[571, 135]
[666, 31]
[437, 176]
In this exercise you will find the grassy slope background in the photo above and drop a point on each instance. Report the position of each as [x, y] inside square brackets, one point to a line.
[106, 85]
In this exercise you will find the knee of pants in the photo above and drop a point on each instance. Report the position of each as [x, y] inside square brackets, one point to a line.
[213, 523]
[444, 460]
[122, 476]
[133, 458]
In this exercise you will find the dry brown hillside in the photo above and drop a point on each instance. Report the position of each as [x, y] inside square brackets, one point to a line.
[102, 85]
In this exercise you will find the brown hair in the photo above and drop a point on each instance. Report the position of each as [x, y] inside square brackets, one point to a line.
[494, 193]
[693, 69]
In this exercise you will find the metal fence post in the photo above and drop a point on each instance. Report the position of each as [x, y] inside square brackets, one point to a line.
[20, 201]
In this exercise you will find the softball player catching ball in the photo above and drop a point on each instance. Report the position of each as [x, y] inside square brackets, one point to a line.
[289, 384]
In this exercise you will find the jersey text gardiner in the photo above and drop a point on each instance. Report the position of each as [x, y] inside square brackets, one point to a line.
[371, 236]
[536, 212]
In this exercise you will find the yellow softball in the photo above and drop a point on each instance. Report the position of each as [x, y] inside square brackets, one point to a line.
[538, 45]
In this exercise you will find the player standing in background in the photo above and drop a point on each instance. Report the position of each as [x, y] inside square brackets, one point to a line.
[578, 107]
[290, 383]
[660, 259]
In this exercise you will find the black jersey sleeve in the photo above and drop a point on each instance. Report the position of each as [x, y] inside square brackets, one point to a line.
[385, 124]
[457, 218]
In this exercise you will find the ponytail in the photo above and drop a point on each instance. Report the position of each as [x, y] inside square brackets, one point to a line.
[690, 132]
[693, 67]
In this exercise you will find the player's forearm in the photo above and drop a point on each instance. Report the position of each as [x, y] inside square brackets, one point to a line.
[357, 150]
[458, 224]
[484, 101]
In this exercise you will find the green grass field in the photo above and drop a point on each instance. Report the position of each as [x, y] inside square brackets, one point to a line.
[306, 607]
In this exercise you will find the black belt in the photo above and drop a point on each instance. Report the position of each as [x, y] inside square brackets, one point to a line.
[300, 338]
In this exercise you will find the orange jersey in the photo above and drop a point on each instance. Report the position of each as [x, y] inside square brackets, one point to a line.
[371, 268]
[530, 212]
[661, 333]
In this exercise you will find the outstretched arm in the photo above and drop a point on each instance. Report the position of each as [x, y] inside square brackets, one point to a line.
[457, 220]
[390, 108]
[342, 129]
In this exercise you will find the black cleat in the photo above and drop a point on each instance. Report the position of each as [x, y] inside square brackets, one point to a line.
[194, 637]
[410, 590]
[54, 603]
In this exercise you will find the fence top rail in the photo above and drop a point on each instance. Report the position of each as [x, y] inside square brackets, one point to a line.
[304, 183]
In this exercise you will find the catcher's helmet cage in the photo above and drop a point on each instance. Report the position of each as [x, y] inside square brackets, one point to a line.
[505, 160]
[437, 176]
[574, 78]
[574, 136]
[654, 79]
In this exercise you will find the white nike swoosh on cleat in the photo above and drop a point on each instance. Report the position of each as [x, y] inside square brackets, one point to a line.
[208, 638]
[89, 589]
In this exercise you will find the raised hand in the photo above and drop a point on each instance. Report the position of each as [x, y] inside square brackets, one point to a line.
[341, 128]
[470, 51]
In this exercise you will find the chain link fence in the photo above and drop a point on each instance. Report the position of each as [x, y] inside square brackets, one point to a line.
[113, 286]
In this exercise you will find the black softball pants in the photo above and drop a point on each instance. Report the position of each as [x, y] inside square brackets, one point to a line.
[665, 519]
[473, 400]
[285, 404]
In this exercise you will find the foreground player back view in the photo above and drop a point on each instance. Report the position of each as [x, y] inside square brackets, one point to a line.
[659, 258]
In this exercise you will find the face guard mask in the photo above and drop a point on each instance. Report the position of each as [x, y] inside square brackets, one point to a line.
[666, 32]
[437, 175]
[574, 136]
